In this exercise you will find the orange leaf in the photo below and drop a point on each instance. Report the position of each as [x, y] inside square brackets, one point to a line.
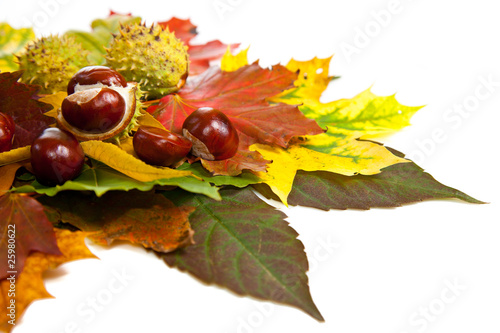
[7, 176]
[148, 219]
[29, 285]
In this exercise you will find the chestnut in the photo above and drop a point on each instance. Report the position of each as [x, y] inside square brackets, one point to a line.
[56, 156]
[212, 134]
[96, 75]
[94, 110]
[7, 128]
[160, 147]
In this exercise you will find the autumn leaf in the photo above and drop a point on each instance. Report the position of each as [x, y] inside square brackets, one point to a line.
[12, 41]
[148, 219]
[15, 155]
[312, 80]
[100, 178]
[241, 95]
[7, 176]
[22, 219]
[396, 185]
[30, 285]
[200, 55]
[350, 157]
[231, 63]
[246, 246]
[234, 166]
[183, 29]
[55, 100]
[18, 101]
[127, 164]
[365, 114]
[244, 179]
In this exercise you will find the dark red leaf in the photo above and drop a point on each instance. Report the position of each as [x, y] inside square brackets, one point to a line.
[19, 101]
[22, 218]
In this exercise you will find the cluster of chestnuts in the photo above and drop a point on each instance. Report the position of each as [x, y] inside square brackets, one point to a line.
[101, 101]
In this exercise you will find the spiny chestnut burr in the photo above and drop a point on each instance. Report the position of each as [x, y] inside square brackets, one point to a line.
[160, 147]
[94, 110]
[212, 134]
[7, 128]
[56, 157]
[96, 76]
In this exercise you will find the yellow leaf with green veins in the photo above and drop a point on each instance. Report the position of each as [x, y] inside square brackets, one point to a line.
[12, 41]
[366, 114]
[324, 152]
[120, 160]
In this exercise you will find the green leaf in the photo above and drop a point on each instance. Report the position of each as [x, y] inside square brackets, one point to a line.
[396, 185]
[100, 179]
[242, 180]
[101, 35]
[246, 246]
[12, 41]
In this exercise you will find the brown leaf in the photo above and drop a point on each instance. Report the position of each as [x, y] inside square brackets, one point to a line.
[29, 286]
[147, 219]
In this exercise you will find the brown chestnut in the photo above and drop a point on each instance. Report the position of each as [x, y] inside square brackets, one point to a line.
[212, 134]
[56, 156]
[94, 110]
[94, 75]
[160, 147]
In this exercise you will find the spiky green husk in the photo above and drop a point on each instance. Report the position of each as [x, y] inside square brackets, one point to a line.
[51, 62]
[134, 123]
[151, 56]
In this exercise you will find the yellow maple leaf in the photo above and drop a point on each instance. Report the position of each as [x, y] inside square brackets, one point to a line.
[29, 285]
[55, 100]
[312, 81]
[366, 114]
[231, 63]
[120, 160]
[347, 157]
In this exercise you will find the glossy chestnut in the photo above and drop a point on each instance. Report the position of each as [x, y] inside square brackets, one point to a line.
[94, 75]
[160, 147]
[212, 134]
[56, 157]
[95, 110]
[7, 128]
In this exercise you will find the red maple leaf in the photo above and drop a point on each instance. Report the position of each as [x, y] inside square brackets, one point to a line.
[200, 55]
[241, 95]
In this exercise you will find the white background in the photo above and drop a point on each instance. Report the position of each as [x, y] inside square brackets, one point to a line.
[385, 266]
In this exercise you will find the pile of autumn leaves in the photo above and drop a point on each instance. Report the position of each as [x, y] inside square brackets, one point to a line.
[293, 148]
